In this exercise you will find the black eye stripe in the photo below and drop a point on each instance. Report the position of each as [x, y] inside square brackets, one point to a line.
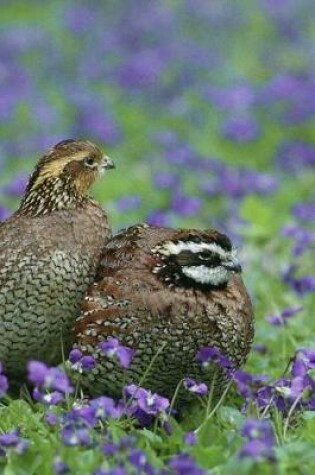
[189, 258]
[186, 258]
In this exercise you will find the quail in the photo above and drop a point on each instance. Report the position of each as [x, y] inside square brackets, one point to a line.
[49, 250]
[166, 293]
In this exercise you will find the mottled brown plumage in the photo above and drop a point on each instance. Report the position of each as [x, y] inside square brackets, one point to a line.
[167, 291]
[49, 250]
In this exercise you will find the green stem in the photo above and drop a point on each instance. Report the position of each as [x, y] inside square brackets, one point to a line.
[157, 354]
[287, 421]
[216, 407]
[175, 396]
[210, 397]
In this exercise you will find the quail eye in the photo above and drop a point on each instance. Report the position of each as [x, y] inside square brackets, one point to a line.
[205, 255]
[89, 161]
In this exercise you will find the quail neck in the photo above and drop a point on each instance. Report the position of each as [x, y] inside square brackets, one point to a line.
[63, 177]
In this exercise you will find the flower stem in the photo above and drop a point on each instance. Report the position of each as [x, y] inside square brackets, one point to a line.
[216, 407]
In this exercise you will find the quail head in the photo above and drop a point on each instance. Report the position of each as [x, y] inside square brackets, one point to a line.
[166, 293]
[49, 250]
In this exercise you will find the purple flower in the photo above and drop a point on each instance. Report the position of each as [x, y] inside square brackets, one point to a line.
[4, 385]
[142, 69]
[303, 238]
[194, 387]
[128, 202]
[109, 448]
[13, 440]
[257, 429]
[211, 354]
[80, 362]
[93, 120]
[138, 459]
[115, 471]
[290, 94]
[60, 467]
[50, 398]
[51, 384]
[113, 349]
[76, 434]
[37, 372]
[239, 182]
[184, 464]
[165, 180]
[260, 440]
[181, 155]
[158, 217]
[247, 383]
[307, 355]
[150, 404]
[52, 418]
[82, 413]
[186, 205]
[290, 390]
[305, 211]
[80, 18]
[298, 388]
[239, 97]
[4, 213]
[75, 355]
[291, 311]
[293, 157]
[304, 285]
[17, 185]
[284, 315]
[190, 438]
[301, 285]
[166, 138]
[124, 445]
[275, 320]
[57, 379]
[106, 407]
[257, 450]
[97, 410]
[241, 129]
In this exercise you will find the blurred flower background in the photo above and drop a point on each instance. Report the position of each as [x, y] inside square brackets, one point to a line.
[207, 108]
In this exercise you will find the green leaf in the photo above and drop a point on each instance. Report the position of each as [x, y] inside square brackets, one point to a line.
[260, 214]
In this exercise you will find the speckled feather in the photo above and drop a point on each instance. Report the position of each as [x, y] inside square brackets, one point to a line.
[131, 302]
[49, 252]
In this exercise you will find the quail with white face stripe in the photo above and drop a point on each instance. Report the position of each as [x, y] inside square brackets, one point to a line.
[165, 293]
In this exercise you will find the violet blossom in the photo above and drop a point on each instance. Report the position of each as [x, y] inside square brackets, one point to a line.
[260, 441]
[113, 349]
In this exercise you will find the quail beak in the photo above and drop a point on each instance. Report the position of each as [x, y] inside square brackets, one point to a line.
[107, 164]
[233, 266]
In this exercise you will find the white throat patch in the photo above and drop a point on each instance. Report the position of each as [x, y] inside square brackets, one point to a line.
[205, 275]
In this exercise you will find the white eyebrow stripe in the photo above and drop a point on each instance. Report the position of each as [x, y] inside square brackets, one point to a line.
[171, 247]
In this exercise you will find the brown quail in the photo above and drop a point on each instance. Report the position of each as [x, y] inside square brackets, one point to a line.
[165, 293]
[49, 250]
